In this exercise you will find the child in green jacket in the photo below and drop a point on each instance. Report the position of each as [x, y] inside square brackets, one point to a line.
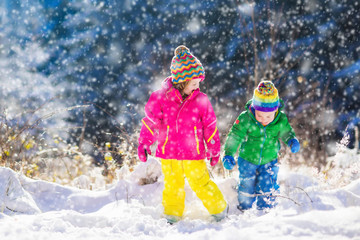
[257, 131]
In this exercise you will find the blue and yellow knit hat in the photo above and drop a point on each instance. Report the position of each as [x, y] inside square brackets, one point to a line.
[185, 66]
[266, 97]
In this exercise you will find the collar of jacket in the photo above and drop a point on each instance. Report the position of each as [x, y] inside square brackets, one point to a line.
[251, 111]
[173, 94]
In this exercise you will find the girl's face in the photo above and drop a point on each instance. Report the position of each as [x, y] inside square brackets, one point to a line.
[264, 117]
[193, 84]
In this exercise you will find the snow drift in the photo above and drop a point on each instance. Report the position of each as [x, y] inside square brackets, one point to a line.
[34, 209]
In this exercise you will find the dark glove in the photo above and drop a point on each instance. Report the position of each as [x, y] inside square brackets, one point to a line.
[143, 151]
[214, 161]
[229, 162]
[294, 145]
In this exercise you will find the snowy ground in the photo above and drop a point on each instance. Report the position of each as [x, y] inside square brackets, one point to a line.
[41, 210]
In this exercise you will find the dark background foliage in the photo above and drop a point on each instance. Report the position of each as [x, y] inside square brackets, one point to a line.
[112, 54]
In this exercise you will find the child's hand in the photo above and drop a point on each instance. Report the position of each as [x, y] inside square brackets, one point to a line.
[214, 161]
[143, 151]
[294, 145]
[229, 162]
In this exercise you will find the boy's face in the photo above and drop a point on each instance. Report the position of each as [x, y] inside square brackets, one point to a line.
[264, 117]
[194, 84]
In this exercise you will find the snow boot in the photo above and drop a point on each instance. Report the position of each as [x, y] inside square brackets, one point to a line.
[220, 216]
[171, 219]
[240, 209]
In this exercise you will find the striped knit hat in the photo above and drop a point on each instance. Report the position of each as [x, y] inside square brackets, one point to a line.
[266, 97]
[185, 66]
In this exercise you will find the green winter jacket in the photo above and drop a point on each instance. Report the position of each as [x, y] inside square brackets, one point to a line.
[258, 144]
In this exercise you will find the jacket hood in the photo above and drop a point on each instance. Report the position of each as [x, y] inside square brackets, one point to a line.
[166, 84]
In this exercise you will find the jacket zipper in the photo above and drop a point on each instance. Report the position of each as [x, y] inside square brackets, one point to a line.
[261, 126]
[166, 140]
[263, 144]
[197, 140]
[183, 104]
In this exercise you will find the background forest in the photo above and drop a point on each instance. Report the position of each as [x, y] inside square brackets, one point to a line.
[75, 74]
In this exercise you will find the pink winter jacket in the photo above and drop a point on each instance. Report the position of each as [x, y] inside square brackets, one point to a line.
[181, 127]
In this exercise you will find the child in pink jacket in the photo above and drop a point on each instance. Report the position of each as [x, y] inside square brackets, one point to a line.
[182, 121]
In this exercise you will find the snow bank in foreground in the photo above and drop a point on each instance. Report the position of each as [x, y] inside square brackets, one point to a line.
[34, 209]
[13, 197]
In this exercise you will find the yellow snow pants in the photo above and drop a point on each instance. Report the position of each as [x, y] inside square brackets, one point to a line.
[199, 180]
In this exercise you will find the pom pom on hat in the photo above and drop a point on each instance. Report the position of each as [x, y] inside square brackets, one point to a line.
[266, 97]
[185, 66]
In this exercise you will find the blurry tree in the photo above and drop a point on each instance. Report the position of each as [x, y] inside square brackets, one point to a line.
[112, 54]
[288, 43]
[24, 91]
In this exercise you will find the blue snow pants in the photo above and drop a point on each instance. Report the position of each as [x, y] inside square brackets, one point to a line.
[257, 182]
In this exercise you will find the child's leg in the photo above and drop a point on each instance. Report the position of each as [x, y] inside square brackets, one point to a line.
[246, 188]
[266, 184]
[199, 180]
[174, 182]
